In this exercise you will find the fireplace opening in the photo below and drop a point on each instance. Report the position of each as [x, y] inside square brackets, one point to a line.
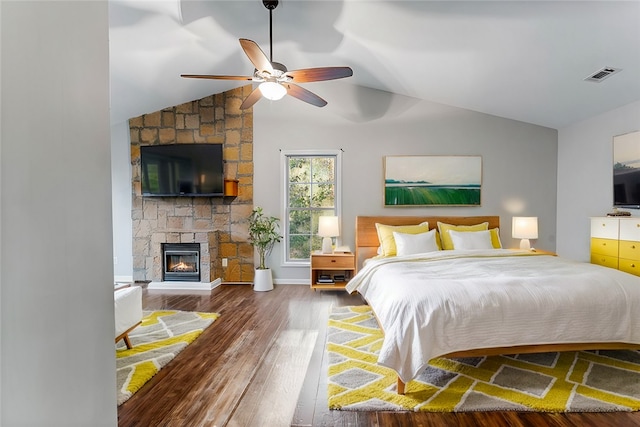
[181, 262]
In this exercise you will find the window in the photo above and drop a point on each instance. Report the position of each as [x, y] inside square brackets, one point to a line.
[311, 181]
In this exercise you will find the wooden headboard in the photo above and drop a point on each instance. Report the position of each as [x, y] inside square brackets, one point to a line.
[367, 236]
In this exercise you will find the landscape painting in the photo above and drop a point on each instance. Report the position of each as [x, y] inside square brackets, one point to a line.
[432, 180]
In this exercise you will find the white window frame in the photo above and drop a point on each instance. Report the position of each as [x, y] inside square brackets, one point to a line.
[284, 174]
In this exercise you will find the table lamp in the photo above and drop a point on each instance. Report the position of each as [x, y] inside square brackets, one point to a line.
[525, 228]
[327, 228]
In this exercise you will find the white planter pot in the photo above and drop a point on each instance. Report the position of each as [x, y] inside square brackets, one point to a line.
[263, 280]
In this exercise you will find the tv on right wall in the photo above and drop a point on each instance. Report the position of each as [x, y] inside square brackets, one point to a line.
[626, 170]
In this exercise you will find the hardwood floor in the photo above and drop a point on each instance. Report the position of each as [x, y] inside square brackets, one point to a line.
[262, 364]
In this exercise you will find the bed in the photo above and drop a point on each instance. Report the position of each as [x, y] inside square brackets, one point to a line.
[477, 299]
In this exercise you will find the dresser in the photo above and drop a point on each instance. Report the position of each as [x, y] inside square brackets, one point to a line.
[615, 243]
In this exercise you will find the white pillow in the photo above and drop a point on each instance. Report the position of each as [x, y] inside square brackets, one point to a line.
[408, 244]
[471, 239]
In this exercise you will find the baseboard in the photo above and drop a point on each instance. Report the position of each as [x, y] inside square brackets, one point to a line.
[275, 282]
[184, 286]
[291, 282]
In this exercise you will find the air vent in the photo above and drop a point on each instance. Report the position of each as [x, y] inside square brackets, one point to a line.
[602, 74]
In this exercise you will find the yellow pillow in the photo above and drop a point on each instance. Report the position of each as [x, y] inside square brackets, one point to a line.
[446, 237]
[385, 235]
[495, 238]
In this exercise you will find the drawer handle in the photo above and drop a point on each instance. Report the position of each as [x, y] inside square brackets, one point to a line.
[604, 244]
[333, 260]
[604, 225]
[633, 246]
[633, 266]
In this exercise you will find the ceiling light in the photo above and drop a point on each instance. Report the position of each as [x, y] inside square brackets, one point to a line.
[272, 90]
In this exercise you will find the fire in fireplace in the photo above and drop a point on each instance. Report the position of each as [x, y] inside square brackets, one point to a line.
[181, 262]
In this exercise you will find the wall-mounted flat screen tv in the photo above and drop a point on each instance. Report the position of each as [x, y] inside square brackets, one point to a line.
[626, 170]
[188, 170]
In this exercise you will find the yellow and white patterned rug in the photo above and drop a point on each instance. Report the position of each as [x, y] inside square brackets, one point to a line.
[599, 381]
[160, 337]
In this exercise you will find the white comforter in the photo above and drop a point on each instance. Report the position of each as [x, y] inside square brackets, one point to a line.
[433, 304]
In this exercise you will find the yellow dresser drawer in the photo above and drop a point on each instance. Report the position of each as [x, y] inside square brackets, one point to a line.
[630, 266]
[630, 250]
[604, 260]
[604, 247]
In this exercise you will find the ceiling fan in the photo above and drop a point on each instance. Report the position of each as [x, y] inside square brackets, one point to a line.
[275, 81]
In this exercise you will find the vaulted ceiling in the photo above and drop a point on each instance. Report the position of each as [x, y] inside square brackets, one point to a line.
[523, 60]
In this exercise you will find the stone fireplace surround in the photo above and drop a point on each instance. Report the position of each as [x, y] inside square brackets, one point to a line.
[219, 224]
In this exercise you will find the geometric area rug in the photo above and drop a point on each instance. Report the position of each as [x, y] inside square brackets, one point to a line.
[583, 381]
[160, 337]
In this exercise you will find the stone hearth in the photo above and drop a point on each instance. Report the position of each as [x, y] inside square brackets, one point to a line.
[219, 224]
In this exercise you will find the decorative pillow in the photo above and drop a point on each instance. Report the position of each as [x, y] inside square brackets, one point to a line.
[385, 235]
[408, 244]
[445, 228]
[495, 238]
[471, 239]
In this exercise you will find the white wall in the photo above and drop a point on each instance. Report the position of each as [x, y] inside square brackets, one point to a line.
[585, 175]
[57, 361]
[519, 159]
[121, 201]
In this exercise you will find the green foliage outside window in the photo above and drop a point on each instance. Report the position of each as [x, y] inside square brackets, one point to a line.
[311, 191]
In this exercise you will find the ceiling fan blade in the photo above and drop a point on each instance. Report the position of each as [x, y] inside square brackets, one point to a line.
[256, 55]
[253, 97]
[304, 95]
[207, 76]
[318, 74]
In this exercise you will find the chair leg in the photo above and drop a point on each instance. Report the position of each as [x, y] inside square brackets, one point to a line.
[127, 342]
[125, 336]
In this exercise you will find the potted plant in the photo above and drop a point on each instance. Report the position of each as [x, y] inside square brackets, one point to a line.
[263, 235]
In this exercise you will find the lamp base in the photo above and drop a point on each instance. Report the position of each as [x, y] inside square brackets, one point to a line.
[525, 244]
[327, 245]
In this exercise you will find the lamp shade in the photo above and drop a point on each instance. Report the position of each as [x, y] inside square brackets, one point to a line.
[328, 227]
[525, 228]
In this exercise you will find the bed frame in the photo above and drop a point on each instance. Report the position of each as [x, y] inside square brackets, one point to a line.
[367, 245]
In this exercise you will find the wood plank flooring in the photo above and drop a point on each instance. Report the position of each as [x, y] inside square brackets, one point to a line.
[262, 363]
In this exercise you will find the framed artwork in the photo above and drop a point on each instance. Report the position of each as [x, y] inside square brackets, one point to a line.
[432, 180]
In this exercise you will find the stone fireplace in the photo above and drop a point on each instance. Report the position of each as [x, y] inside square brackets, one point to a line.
[217, 224]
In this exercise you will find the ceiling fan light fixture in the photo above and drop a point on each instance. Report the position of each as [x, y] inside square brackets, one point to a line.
[272, 90]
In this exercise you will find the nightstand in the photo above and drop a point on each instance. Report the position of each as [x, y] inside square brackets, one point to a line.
[538, 251]
[331, 271]
[542, 251]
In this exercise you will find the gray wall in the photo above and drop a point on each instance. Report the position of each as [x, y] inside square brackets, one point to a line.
[57, 361]
[121, 182]
[585, 175]
[519, 159]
